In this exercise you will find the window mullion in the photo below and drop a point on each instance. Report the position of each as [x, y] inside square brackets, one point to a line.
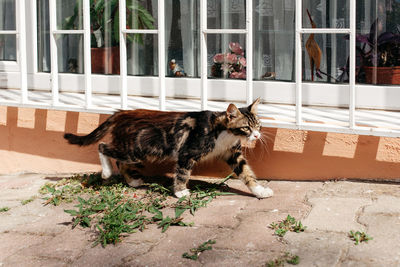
[161, 54]
[53, 54]
[22, 50]
[123, 54]
[87, 53]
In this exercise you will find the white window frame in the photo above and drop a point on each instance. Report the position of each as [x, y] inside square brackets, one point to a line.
[297, 93]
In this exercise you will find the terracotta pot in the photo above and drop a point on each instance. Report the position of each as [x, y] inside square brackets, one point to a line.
[382, 75]
[105, 60]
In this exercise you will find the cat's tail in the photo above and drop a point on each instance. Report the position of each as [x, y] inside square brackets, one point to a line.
[93, 137]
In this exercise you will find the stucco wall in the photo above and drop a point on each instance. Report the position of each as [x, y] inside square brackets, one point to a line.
[31, 141]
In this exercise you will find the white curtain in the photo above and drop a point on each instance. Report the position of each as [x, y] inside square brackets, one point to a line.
[7, 22]
[274, 39]
[143, 57]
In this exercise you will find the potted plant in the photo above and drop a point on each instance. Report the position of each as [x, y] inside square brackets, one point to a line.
[102, 23]
[380, 55]
[231, 64]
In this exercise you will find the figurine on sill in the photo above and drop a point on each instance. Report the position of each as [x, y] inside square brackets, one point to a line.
[177, 71]
[268, 76]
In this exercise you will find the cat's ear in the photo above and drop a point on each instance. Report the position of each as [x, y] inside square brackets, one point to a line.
[253, 108]
[232, 111]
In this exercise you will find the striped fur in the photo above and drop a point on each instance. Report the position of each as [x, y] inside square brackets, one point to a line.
[138, 136]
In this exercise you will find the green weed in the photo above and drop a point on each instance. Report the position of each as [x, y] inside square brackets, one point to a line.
[115, 210]
[359, 237]
[26, 201]
[195, 252]
[286, 258]
[4, 209]
[289, 224]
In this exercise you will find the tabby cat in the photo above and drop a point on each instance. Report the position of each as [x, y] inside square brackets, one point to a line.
[185, 137]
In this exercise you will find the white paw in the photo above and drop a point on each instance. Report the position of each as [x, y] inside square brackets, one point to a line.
[262, 192]
[105, 174]
[182, 193]
[136, 182]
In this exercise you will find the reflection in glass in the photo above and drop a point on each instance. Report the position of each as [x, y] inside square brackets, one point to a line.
[69, 14]
[226, 14]
[326, 14]
[378, 42]
[70, 53]
[325, 57]
[142, 14]
[273, 31]
[7, 15]
[43, 36]
[142, 56]
[226, 56]
[182, 35]
[8, 48]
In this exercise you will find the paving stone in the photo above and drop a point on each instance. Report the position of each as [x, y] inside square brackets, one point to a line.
[220, 212]
[253, 233]
[384, 248]
[168, 252]
[335, 214]
[24, 215]
[317, 248]
[384, 204]
[65, 247]
[217, 258]
[11, 243]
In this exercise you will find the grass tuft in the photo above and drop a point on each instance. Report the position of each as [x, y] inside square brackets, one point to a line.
[359, 237]
[115, 210]
[289, 224]
[4, 209]
[195, 252]
[286, 258]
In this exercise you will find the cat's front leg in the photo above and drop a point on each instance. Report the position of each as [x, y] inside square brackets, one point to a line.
[182, 176]
[243, 171]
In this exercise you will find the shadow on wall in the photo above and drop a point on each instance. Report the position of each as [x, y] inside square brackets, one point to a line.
[33, 137]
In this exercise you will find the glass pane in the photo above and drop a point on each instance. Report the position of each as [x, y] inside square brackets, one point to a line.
[43, 28]
[7, 15]
[274, 38]
[378, 42]
[326, 14]
[182, 35]
[226, 14]
[70, 53]
[142, 14]
[325, 57]
[226, 56]
[8, 48]
[104, 20]
[142, 54]
[70, 14]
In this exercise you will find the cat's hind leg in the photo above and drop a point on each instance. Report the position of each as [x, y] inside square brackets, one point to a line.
[105, 152]
[131, 173]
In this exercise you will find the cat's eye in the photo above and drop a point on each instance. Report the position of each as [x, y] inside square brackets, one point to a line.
[245, 129]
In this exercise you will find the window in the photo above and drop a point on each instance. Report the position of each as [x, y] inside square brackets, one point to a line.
[8, 51]
[325, 82]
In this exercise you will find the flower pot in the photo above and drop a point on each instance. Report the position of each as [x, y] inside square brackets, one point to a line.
[382, 75]
[105, 60]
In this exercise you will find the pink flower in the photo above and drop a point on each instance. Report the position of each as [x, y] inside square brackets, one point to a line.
[242, 61]
[231, 58]
[238, 75]
[219, 58]
[236, 48]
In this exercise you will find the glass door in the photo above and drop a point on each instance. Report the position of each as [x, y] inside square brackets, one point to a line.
[8, 33]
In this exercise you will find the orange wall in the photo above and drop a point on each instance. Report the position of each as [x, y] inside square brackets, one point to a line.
[31, 140]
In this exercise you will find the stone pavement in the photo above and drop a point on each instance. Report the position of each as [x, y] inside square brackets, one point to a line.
[37, 235]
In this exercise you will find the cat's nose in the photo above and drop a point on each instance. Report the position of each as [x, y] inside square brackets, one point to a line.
[256, 134]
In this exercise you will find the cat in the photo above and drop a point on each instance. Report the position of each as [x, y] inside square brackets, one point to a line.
[143, 135]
